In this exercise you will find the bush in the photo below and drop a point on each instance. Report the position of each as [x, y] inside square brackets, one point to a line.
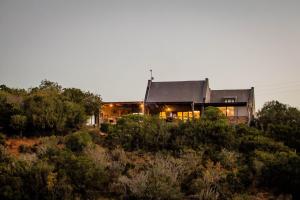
[281, 172]
[104, 127]
[2, 139]
[18, 122]
[78, 141]
[159, 181]
[25, 149]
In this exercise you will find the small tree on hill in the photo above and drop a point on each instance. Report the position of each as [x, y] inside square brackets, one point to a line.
[213, 114]
[18, 123]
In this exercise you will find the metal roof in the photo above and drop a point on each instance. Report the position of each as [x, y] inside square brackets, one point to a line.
[176, 91]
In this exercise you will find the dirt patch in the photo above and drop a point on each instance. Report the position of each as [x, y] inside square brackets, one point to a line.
[13, 144]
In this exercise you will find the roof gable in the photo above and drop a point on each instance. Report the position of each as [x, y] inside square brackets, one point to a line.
[175, 91]
[218, 96]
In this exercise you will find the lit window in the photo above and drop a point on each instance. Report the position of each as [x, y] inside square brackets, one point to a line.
[179, 114]
[162, 115]
[185, 116]
[197, 114]
[223, 110]
[230, 111]
[190, 115]
[227, 111]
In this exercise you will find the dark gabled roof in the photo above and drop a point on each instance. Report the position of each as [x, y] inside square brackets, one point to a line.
[218, 96]
[175, 91]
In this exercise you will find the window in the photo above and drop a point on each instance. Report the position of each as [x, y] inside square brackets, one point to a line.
[227, 111]
[179, 114]
[162, 115]
[197, 114]
[223, 110]
[188, 115]
[230, 111]
[229, 100]
[185, 116]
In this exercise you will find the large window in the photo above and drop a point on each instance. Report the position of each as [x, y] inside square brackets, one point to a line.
[227, 111]
[188, 115]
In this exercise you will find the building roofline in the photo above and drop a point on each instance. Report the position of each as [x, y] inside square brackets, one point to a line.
[178, 81]
[122, 102]
[232, 90]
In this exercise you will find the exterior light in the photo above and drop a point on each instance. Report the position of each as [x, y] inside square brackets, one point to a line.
[111, 105]
[142, 105]
[168, 109]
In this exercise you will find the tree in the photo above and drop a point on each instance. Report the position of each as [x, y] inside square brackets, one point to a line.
[274, 112]
[282, 122]
[18, 122]
[213, 114]
[78, 141]
[75, 115]
[45, 111]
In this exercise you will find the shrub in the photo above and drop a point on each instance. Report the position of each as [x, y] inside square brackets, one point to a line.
[214, 114]
[281, 172]
[78, 141]
[208, 185]
[25, 149]
[18, 122]
[104, 127]
[2, 139]
[87, 179]
[158, 181]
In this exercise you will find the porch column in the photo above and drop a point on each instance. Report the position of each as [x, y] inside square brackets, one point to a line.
[201, 110]
[193, 109]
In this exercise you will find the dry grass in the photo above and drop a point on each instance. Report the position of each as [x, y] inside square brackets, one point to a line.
[13, 144]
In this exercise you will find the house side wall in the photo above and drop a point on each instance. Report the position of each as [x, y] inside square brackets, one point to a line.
[241, 111]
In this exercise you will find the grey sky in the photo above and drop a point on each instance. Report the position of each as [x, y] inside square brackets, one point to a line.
[107, 46]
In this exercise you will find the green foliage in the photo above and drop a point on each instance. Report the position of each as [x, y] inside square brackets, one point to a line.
[146, 157]
[18, 122]
[159, 181]
[214, 114]
[47, 108]
[277, 113]
[281, 122]
[78, 141]
[2, 139]
[281, 172]
[75, 115]
[104, 127]
[153, 134]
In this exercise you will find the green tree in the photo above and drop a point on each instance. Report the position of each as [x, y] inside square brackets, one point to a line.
[75, 115]
[274, 112]
[281, 122]
[18, 123]
[213, 114]
[78, 141]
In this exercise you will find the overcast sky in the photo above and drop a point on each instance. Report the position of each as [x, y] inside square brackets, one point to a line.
[108, 47]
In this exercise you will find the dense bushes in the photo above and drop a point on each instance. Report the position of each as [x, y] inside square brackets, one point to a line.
[45, 109]
[147, 158]
[153, 134]
[281, 122]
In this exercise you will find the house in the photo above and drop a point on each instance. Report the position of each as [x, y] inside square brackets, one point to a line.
[111, 111]
[186, 100]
